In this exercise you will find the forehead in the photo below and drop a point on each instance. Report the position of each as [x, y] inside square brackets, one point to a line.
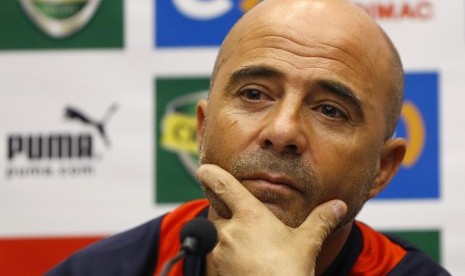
[305, 47]
[304, 57]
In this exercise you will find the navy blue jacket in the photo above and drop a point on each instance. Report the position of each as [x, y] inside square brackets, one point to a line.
[136, 252]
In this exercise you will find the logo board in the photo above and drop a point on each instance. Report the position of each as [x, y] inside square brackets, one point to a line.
[176, 148]
[60, 19]
[181, 23]
[197, 23]
[57, 24]
[419, 175]
[59, 153]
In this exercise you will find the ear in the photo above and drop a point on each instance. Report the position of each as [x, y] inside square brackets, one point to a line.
[391, 158]
[201, 114]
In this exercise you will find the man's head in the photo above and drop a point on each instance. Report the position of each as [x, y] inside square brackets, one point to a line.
[304, 98]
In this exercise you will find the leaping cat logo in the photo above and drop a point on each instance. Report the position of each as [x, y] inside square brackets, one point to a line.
[75, 114]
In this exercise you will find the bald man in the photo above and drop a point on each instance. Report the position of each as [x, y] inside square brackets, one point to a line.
[295, 137]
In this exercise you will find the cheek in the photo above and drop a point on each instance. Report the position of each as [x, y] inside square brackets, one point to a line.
[344, 165]
[226, 137]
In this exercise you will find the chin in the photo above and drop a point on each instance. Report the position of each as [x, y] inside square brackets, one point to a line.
[286, 216]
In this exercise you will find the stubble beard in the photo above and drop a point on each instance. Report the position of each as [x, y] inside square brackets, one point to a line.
[286, 164]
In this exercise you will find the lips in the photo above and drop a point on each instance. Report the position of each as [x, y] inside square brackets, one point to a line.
[271, 182]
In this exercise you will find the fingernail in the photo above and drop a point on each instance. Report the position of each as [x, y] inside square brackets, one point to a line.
[339, 209]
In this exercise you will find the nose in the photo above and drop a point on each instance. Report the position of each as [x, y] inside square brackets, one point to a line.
[284, 131]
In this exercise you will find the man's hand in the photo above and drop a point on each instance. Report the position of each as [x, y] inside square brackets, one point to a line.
[254, 242]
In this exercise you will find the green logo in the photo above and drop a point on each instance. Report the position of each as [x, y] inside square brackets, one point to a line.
[43, 24]
[176, 145]
[60, 18]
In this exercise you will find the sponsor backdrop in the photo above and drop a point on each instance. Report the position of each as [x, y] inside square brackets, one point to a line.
[98, 130]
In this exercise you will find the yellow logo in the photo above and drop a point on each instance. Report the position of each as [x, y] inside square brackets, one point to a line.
[247, 5]
[415, 133]
[179, 133]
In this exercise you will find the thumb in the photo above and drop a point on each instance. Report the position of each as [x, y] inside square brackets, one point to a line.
[322, 221]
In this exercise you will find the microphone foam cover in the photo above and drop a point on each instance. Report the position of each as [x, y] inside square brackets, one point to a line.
[204, 232]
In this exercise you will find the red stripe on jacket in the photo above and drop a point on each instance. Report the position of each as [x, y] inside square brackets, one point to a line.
[169, 235]
[379, 254]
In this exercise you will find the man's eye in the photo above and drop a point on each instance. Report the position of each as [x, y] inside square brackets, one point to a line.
[332, 111]
[252, 94]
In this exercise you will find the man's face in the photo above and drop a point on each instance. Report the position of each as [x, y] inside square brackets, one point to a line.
[298, 120]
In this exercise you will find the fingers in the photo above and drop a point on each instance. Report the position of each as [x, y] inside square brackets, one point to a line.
[322, 221]
[226, 188]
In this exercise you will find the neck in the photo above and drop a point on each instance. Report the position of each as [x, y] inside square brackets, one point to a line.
[331, 248]
[329, 251]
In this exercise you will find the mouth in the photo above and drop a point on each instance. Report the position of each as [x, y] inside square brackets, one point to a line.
[271, 183]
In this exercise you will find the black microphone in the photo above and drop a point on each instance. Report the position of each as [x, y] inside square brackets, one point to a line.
[198, 237]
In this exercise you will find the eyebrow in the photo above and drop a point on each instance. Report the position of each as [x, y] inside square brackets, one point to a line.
[261, 71]
[253, 71]
[343, 91]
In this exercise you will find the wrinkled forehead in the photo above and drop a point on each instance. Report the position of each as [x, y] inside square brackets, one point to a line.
[336, 24]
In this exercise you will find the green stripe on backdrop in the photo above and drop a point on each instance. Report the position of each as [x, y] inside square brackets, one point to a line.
[426, 240]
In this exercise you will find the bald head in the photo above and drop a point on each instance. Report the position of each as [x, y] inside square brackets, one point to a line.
[337, 23]
[315, 82]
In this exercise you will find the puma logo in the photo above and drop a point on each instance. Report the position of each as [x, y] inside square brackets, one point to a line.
[73, 113]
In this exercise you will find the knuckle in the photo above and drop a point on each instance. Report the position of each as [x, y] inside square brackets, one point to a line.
[224, 238]
[220, 186]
